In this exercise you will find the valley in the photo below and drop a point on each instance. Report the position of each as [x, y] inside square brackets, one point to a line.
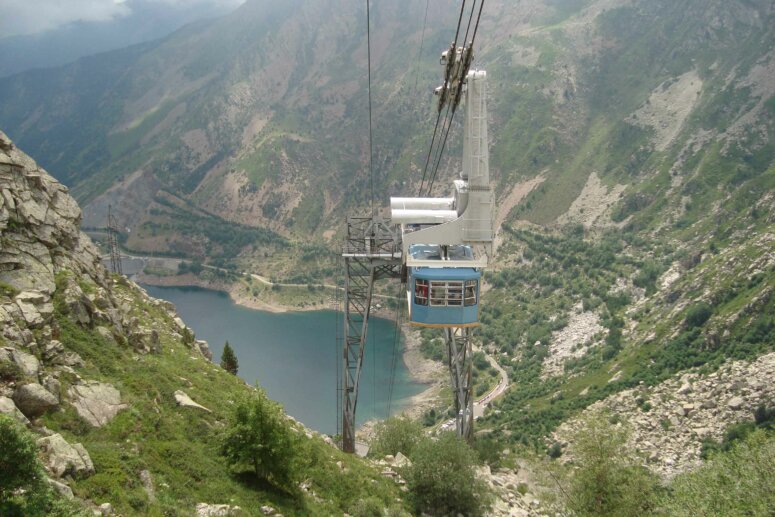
[630, 296]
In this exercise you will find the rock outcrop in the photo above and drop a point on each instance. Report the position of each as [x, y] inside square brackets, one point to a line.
[33, 400]
[62, 458]
[216, 510]
[684, 411]
[96, 402]
[45, 236]
[8, 407]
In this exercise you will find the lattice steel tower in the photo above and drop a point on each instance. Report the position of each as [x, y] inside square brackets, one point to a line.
[115, 253]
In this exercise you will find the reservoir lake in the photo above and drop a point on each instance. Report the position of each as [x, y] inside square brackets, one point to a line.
[294, 356]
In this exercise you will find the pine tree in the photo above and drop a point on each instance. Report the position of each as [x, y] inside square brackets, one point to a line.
[229, 359]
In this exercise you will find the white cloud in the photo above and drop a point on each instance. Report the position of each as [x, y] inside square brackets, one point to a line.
[33, 16]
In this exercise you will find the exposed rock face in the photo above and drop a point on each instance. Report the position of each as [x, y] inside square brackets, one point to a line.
[33, 400]
[7, 407]
[204, 349]
[44, 220]
[96, 402]
[64, 490]
[28, 363]
[572, 341]
[688, 409]
[61, 458]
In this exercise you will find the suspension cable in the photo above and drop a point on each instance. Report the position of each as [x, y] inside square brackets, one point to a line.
[396, 343]
[441, 152]
[371, 142]
[428, 158]
[438, 117]
[422, 42]
[446, 132]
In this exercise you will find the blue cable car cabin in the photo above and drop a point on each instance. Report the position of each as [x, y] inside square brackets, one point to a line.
[443, 296]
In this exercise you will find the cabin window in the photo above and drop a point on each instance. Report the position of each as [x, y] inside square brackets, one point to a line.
[471, 292]
[438, 294]
[446, 294]
[421, 292]
[455, 293]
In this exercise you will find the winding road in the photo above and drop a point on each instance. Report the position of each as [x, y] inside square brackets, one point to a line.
[483, 402]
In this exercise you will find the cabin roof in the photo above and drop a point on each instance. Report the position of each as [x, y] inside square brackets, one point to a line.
[446, 273]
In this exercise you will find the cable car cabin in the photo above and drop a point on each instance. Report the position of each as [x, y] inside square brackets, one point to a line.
[443, 296]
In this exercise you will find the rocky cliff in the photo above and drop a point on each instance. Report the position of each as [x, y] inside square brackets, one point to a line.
[50, 270]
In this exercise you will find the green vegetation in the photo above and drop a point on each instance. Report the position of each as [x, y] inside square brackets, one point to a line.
[229, 359]
[8, 290]
[23, 487]
[441, 475]
[22, 480]
[609, 480]
[181, 447]
[764, 419]
[258, 435]
[442, 478]
[736, 482]
[192, 233]
[394, 435]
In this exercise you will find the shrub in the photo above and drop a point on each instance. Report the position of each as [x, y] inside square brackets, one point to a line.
[19, 466]
[23, 487]
[738, 482]
[8, 290]
[394, 435]
[10, 372]
[609, 480]
[697, 315]
[442, 478]
[259, 436]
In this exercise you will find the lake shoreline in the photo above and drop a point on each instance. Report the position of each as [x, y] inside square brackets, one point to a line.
[421, 370]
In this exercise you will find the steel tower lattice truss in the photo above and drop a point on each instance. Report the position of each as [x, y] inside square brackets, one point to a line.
[372, 252]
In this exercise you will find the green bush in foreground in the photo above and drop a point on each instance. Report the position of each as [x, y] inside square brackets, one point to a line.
[23, 487]
[259, 436]
[738, 482]
[394, 435]
[609, 479]
[442, 478]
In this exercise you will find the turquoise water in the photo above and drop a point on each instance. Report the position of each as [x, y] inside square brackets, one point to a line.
[294, 355]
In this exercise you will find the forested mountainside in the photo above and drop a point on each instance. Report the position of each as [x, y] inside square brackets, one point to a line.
[260, 118]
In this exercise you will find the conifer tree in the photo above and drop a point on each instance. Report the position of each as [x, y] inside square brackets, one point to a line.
[229, 360]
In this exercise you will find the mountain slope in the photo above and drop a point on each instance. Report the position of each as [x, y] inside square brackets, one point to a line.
[104, 375]
[140, 21]
[260, 117]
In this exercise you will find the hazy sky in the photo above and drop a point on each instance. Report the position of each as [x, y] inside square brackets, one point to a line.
[32, 16]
